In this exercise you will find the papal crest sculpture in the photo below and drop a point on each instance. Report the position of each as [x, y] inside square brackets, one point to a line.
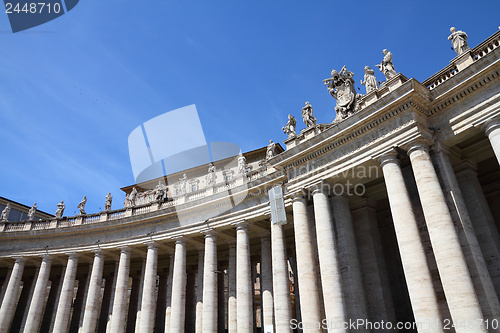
[341, 87]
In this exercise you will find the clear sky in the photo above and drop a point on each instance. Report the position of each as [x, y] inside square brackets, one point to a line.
[73, 89]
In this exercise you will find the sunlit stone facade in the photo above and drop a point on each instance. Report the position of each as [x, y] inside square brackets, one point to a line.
[392, 216]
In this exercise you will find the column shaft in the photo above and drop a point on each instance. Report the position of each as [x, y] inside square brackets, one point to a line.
[63, 312]
[418, 277]
[93, 296]
[232, 302]
[10, 298]
[120, 303]
[148, 304]
[492, 130]
[178, 315]
[457, 283]
[266, 284]
[37, 302]
[281, 280]
[168, 311]
[210, 285]
[199, 292]
[306, 269]
[244, 285]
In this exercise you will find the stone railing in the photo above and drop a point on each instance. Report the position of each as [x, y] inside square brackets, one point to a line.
[441, 76]
[487, 46]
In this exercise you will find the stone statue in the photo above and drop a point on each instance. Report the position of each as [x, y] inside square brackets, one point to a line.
[60, 210]
[387, 67]
[242, 164]
[341, 87]
[270, 149]
[458, 40]
[289, 128]
[161, 192]
[211, 176]
[109, 200]
[307, 115]
[131, 197]
[81, 205]
[32, 212]
[5, 213]
[370, 81]
[183, 186]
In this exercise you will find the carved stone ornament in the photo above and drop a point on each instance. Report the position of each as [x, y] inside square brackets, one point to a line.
[289, 128]
[5, 213]
[341, 87]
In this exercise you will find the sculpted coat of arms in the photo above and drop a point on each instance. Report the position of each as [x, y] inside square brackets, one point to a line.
[341, 87]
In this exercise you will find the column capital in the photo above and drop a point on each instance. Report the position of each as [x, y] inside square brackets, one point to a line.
[46, 257]
[490, 125]
[98, 253]
[389, 157]
[179, 239]
[210, 234]
[19, 259]
[151, 244]
[124, 249]
[241, 225]
[416, 145]
[72, 255]
[319, 187]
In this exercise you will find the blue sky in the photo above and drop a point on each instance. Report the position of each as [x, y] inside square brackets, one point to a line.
[73, 89]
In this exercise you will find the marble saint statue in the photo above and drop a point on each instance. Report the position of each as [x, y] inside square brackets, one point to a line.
[5, 213]
[183, 181]
[161, 191]
[289, 128]
[131, 197]
[211, 176]
[60, 210]
[307, 115]
[81, 205]
[242, 164]
[458, 40]
[387, 67]
[370, 81]
[270, 149]
[32, 212]
[109, 200]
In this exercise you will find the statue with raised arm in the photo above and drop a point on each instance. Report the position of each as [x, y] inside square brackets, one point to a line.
[307, 115]
[107, 204]
[387, 67]
[32, 212]
[183, 184]
[60, 210]
[211, 176]
[161, 192]
[5, 213]
[289, 128]
[242, 164]
[458, 40]
[270, 152]
[370, 81]
[341, 87]
[81, 205]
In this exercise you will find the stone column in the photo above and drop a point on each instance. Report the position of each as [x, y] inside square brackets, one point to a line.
[492, 131]
[482, 220]
[11, 293]
[349, 260]
[148, 305]
[335, 311]
[455, 277]
[210, 284]
[63, 312]
[120, 303]
[38, 300]
[199, 292]
[92, 305]
[418, 277]
[378, 295]
[281, 281]
[243, 280]
[266, 284]
[168, 311]
[178, 315]
[306, 269]
[458, 206]
[231, 290]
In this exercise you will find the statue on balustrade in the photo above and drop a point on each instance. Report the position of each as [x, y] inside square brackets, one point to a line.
[341, 87]
[289, 128]
[386, 66]
[107, 204]
[211, 176]
[370, 81]
[130, 200]
[81, 205]
[183, 184]
[242, 164]
[161, 192]
[60, 210]
[458, 40]
[5, 213]
[271, 147]
[307, 115]
[32, 212]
